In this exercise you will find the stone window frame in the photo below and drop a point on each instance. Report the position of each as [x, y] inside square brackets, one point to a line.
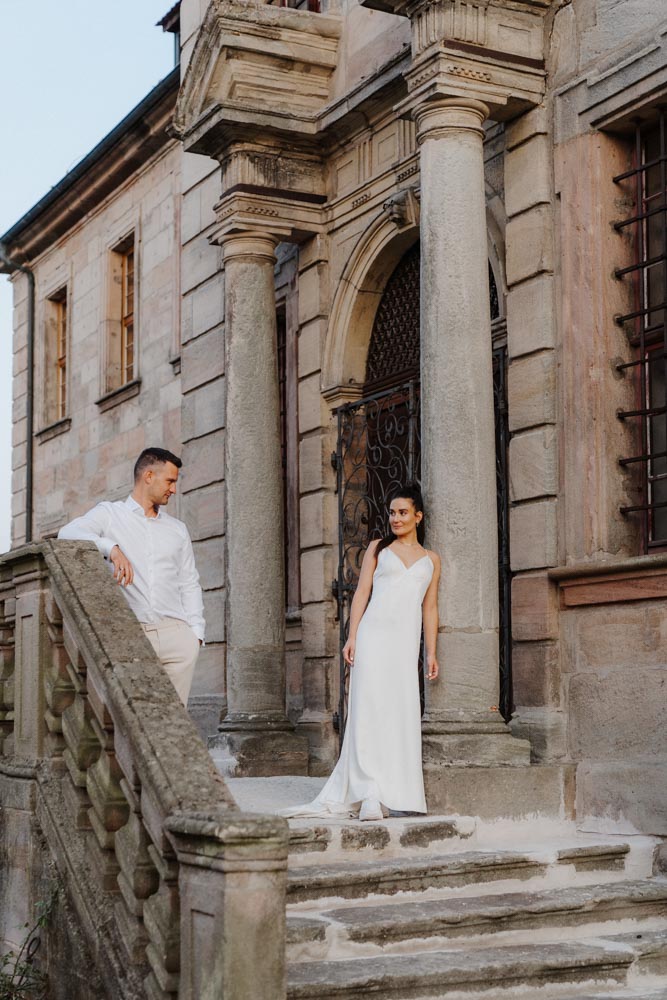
[115, 386]
[55, 405]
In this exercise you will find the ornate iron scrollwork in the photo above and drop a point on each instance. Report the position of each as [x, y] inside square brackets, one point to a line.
[379, 447]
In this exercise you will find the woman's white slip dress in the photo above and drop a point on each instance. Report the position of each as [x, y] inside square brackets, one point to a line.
[381, 756]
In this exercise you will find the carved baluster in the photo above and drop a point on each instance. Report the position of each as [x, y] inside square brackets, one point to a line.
[109, 808]
[82, 747]
[138, 877]
[59, 690]
[162, 914]
[7, 618]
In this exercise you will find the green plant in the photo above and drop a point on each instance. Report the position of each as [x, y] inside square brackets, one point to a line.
[20, 979]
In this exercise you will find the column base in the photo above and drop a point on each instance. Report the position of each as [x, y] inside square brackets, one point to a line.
[257, 747]
[317, 728]
[206, 710]
[473, 766]
[471, 740]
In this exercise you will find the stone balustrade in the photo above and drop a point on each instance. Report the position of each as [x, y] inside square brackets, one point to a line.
[165, 888]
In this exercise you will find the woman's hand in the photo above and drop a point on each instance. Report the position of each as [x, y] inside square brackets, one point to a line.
[348, 652]
[432, 668]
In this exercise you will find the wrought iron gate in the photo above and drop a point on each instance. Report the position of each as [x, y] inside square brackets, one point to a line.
[378, 448]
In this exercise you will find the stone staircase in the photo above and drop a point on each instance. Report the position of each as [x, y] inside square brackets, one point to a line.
[451, 908]
[432, 914]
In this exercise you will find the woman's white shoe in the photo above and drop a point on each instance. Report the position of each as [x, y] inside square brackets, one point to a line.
[370, 809]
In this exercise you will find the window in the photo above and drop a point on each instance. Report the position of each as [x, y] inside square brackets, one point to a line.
[286, 344]
[646, 324]
[122, 327]
[127, 316]
[55, 380]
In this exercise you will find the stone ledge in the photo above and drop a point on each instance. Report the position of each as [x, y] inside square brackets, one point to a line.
[639, 578]
[118, 396]
[53, 430]
[545, 790]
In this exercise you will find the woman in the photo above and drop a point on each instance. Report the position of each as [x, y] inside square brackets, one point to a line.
[380, 765]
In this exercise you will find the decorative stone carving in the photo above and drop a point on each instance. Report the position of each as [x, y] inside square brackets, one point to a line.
[272, 62]
[485, 50]
[263, 187]
[403, 207]
[162, 914]
[109, 809]
[287, 220]
[58, 687]
[138, 877]
[81, 751]
[454, 19]
[506, 88]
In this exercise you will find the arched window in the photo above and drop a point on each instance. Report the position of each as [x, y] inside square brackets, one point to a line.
[393, 352]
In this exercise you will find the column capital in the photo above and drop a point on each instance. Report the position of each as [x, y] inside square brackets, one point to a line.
[444, 115]
[270, 214]
[248, 244]
[482, 49]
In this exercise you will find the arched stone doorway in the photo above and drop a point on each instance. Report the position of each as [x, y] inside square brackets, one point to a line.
[379, 446]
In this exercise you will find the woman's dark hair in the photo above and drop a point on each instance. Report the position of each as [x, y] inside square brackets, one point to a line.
[410, 491]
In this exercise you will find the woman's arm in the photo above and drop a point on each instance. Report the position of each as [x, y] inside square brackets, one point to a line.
[431, 620]
[360, 599]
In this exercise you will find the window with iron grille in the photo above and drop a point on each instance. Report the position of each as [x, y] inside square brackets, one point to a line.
[646, 324]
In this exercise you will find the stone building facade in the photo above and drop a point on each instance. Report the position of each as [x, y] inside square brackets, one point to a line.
[379, 240]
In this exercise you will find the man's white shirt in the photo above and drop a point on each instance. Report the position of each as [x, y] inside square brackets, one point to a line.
[166, 582]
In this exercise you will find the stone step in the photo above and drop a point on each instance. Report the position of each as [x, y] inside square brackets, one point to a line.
[482, 972]
[391, 923]
[639, 992]
[356, 880]
[388, 838]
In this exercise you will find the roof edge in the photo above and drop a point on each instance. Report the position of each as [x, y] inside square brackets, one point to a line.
[142, 130]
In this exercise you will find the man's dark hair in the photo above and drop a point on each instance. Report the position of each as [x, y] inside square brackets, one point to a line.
[154, 456]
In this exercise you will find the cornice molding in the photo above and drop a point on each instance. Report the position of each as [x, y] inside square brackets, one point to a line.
[255, 64]
[125, 150]
[286, 219]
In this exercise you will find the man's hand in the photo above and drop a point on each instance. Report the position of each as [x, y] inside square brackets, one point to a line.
[122, 567]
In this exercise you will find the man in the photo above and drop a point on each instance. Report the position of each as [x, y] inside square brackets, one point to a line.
[153, 562]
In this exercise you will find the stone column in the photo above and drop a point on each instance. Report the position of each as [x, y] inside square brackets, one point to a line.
[458, 437]
[256, 736]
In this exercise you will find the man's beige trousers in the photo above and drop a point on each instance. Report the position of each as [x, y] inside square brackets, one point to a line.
[177, 648]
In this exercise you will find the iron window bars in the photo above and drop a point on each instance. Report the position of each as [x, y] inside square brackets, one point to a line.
[646, 325]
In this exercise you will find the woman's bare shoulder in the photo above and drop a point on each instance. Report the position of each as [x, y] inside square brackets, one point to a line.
[435, 558]
[370, 555]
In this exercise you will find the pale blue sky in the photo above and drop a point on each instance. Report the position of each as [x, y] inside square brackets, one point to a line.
[71, 71]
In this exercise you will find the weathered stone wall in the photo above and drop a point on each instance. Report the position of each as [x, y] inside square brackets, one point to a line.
[565, 391]
[614, 663]
[202, 420]
[19, 859]
[91, 458]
